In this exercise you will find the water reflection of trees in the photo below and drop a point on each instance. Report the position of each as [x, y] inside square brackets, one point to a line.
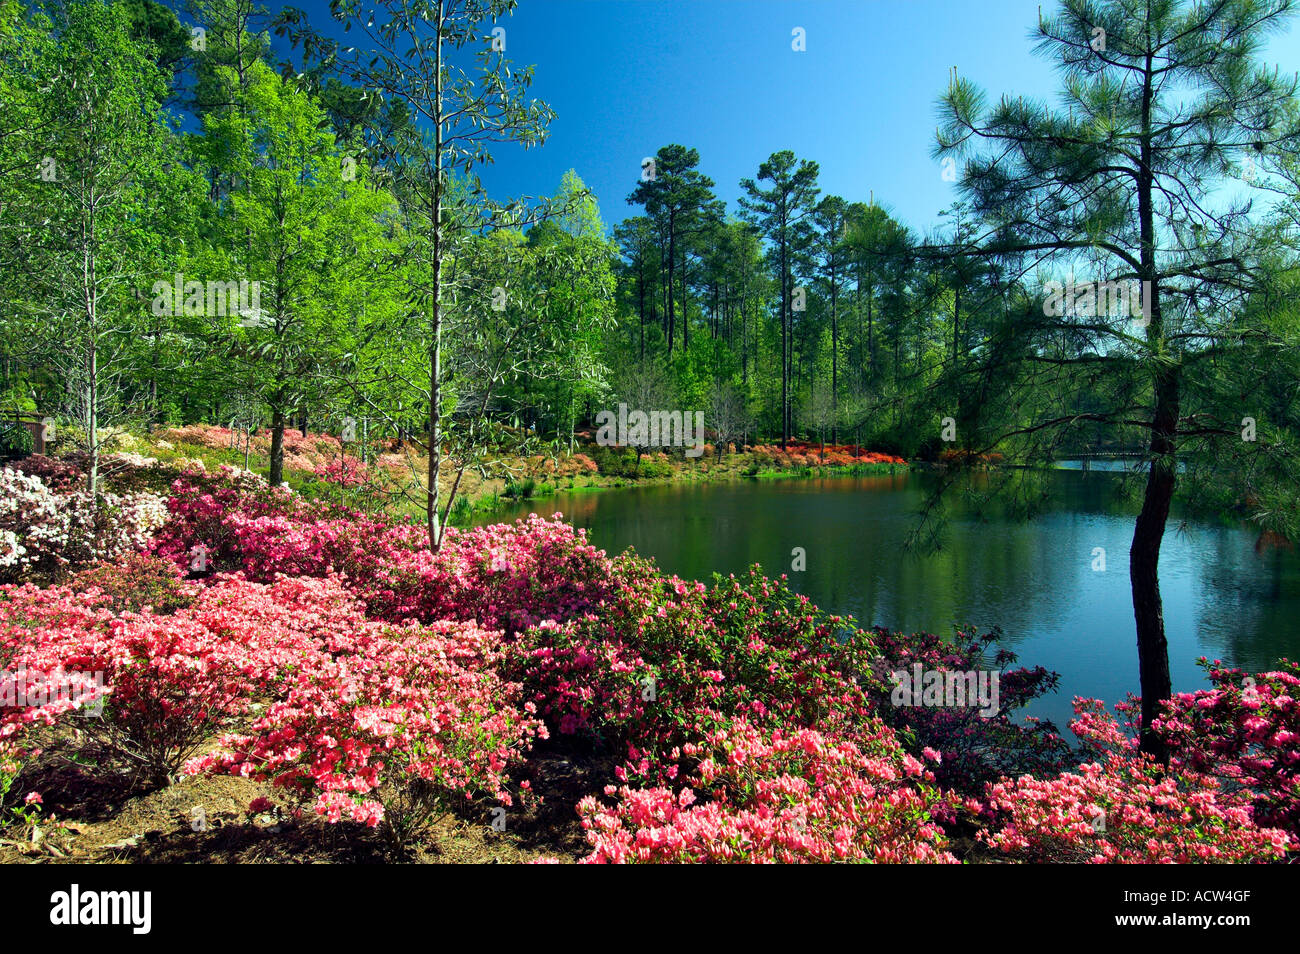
[1249, 604]
[993, 566]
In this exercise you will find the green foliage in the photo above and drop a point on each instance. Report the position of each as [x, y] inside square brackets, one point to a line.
[519, 489]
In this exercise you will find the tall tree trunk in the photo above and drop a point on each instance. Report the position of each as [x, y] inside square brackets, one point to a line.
[640, 298]
[835, 361]
[90, 282]
[92, 419]
[672, 264]
[871, 337]
[1144, 554]
[432, 516]
[744, 346]
[686, 322]
[785, 364]
[956, 325]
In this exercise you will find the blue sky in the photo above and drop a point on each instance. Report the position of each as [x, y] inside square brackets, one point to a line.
[628, 76]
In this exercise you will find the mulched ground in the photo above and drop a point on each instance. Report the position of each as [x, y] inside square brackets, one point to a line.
[93, 814]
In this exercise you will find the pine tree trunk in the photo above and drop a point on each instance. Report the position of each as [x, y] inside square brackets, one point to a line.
[1144, 554]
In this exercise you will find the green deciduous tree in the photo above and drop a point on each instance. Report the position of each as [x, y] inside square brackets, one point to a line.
[414, 52]
[310, 231]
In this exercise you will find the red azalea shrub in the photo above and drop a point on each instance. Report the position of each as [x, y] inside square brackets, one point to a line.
[774, 796]
[165, 679]
[1124, 808]
[576, 465]
[798, 454]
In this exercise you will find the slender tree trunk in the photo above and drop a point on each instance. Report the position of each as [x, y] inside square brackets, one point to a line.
[92, 418]
[672, 262]
[785, 365]
[835, 361]
[432, 515]
[640, 297]
[871, 338]
[90, 282]
[744, 346]
[277, 446]
[1148, 533]
[686, 321]
[956, 324]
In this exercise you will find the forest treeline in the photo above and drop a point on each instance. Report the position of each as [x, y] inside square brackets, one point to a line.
[166, 176]
[154, 159]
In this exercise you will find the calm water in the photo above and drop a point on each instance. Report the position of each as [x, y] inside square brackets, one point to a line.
[1034, 578]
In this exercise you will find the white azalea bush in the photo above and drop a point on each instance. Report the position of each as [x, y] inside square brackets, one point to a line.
[42, 532]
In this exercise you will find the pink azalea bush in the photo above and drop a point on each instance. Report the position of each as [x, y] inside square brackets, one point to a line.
[202, 509]
[393, 723]
[1124, 808]
[1244, 731]
[762, 797]
[343, 471]
[170, 681]
[507, 576]
[668, 661]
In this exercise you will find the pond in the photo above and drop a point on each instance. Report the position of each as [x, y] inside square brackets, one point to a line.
[1036, 579]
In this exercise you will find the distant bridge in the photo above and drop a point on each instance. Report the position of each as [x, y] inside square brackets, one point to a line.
[1086, 455]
